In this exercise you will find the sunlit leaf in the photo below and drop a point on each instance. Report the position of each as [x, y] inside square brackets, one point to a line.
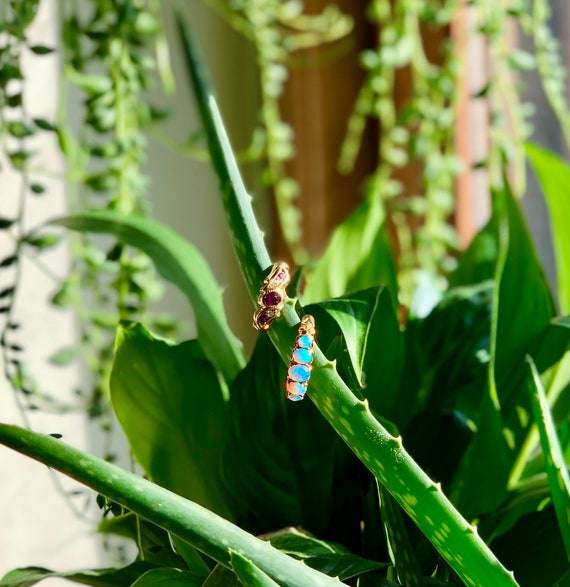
[170, 405]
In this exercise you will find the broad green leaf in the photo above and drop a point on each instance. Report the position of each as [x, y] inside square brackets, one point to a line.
[279, 458]
[534, 549]
[165, 577]
[405, 561]
[222, 577]
[553, 363]
[169, 402]
[564, 581]
[382, 453]
[153, 542]
[554, 178]
[182, 264]
[191, 557]
[445, 378]
[372, 342]
[206, 531]
[330, 558]
[358, 257]
[530, 496]
[556, 470]
[249, 574]
[96, 577]
[521, 312]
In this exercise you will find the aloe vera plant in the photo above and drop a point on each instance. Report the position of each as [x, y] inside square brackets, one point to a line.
[214, 432]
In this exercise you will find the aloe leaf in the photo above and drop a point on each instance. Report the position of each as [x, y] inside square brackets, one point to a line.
[407, 567]
[97, 578]
[556, 470]
[183, 265]
[381, 452]
[169, 403]
[357, 257]
[554, 178]
[249, 574]
[168, 578]
[206, 531]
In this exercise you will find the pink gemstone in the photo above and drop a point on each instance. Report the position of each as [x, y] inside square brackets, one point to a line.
[271, 298]
[279, 279]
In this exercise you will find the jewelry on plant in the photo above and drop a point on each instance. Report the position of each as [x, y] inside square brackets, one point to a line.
[272, 296]
[300, 367]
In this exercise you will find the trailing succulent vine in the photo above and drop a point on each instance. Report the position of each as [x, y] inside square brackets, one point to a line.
[107, 51]
[108, 56]
[277, 30]
[17, 130]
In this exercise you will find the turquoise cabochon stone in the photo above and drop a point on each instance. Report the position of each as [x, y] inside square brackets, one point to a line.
[305, 341]
[299, 372]
[296, 388]
[295, 398]
[302, 356]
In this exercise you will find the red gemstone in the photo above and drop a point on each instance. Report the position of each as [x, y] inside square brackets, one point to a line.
[266, 316]
[271, 298]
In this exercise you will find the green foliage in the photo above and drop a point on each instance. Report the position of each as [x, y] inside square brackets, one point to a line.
[182, 264]
[175, 431]
[554, 178]
[413, 431]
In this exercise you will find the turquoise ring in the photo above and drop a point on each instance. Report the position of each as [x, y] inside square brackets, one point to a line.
[300, 367]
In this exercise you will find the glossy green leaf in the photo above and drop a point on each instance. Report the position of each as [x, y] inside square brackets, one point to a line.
[191, 557]
[553, 363]
[222, 577]
[153, 542]
[522, 308]
[165, 577]
[554, 178]
[97, 578]
[372, 342]
[358, 257]
[330, 558]
[182, 264]
[206, 531]
[170, 405]
[556, 470]
[534, 549]
[530, 496]
[249, 574]
[445, 378]
[564, 581]
[279, 458]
